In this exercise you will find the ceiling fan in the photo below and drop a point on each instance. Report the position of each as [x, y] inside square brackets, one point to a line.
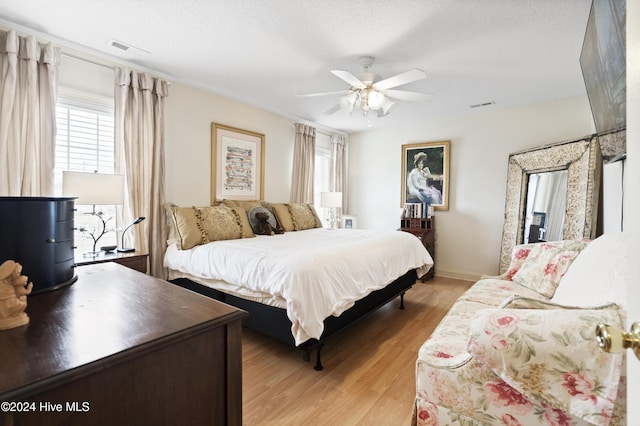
[372, 94]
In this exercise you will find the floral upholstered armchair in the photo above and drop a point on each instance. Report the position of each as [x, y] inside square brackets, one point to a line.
[519, 349]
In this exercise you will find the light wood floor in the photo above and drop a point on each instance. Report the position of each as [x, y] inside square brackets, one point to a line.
[369, 368]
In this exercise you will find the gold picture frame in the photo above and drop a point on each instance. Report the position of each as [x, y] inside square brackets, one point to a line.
[237, 164]
[431, 182]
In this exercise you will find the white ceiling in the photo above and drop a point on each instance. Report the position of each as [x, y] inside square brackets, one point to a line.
[513, 52]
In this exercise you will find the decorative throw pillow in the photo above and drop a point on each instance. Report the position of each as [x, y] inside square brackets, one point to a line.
[303, 216]
[222, 222]
[247, 231]
[544, 267]
[281, 212]
[254, 221]
[315, 215]
[246, 205]
[518, 255]
[184, 222]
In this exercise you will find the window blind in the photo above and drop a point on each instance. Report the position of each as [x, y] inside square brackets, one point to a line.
[85, 134]
[85, 142]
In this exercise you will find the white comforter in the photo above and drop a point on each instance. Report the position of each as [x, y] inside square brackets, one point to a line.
[317, 272]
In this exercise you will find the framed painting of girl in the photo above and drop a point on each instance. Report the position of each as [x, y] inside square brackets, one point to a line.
[425, 174]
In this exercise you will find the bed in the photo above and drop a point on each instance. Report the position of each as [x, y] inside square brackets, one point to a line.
[300, 286]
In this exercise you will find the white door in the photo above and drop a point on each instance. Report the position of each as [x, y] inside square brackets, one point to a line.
[632, 201]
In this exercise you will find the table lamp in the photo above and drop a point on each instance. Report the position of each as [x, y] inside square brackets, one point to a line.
[94, 189]
[331, 200]
[122, 248]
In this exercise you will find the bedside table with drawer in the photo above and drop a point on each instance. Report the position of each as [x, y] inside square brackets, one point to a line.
[425, 230]
[134, 260]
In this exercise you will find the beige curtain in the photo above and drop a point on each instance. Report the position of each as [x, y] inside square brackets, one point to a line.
[303, 164]
[28, 80]
[339, 168]
[139, 154]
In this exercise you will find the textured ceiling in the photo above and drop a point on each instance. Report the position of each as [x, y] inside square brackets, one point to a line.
[512, 52]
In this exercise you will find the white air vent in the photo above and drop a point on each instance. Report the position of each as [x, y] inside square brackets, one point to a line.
[484, 104]
[125, 47]
[119, 45]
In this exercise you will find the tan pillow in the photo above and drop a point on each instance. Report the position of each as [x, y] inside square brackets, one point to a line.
[246, 205]
[247, 230]
[185, 226]
[315, 215]
[217, 223]
[281, 212]
[296, 216]
[303, 216]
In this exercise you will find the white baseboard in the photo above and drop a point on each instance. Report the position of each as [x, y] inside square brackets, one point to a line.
[466, 276]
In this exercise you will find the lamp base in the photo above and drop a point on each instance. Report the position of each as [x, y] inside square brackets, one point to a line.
[126, 250]
[92, 254]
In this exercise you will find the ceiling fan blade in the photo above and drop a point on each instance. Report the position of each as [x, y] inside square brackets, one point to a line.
[332, 110]
[349, 78]
[310, 95]
[400, 79]
[403, 95]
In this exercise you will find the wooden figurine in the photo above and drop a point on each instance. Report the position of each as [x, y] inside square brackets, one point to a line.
[13, 295]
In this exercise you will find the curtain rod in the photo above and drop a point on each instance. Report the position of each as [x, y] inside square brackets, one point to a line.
[68, 55]
[322, 132]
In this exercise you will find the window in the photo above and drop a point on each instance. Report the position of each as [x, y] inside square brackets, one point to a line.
[85, 142]
[322, 173]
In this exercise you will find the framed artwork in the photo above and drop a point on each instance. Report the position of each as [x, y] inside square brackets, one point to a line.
[425, 174]
[237, 164]
[349, 222]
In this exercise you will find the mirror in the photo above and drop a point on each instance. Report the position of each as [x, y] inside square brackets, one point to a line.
[582, 161]
[545, 207]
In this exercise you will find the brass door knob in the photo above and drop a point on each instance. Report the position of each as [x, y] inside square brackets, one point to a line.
[612, 339]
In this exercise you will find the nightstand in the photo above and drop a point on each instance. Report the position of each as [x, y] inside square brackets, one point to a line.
[134, 260]
[425, 230]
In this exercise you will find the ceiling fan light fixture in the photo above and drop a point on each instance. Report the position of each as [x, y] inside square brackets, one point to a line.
[347, 102]
[387, 106]
[369, 93]
[376, 100]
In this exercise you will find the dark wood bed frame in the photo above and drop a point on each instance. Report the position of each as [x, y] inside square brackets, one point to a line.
[274, 322]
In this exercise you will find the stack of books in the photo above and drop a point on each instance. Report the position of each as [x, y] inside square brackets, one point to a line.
[415, 210]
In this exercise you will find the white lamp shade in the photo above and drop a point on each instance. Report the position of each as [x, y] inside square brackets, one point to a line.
[347, 102]
[93, 188]
[331, 199]
[376, 100]
[387, 105]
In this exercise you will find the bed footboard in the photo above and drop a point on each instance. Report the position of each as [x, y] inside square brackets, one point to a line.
[274, 322]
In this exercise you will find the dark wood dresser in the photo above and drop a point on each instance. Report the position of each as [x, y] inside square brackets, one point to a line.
[119, 347]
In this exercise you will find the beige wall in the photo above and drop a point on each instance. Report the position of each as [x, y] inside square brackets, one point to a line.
[189, 113]
[469, 233]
